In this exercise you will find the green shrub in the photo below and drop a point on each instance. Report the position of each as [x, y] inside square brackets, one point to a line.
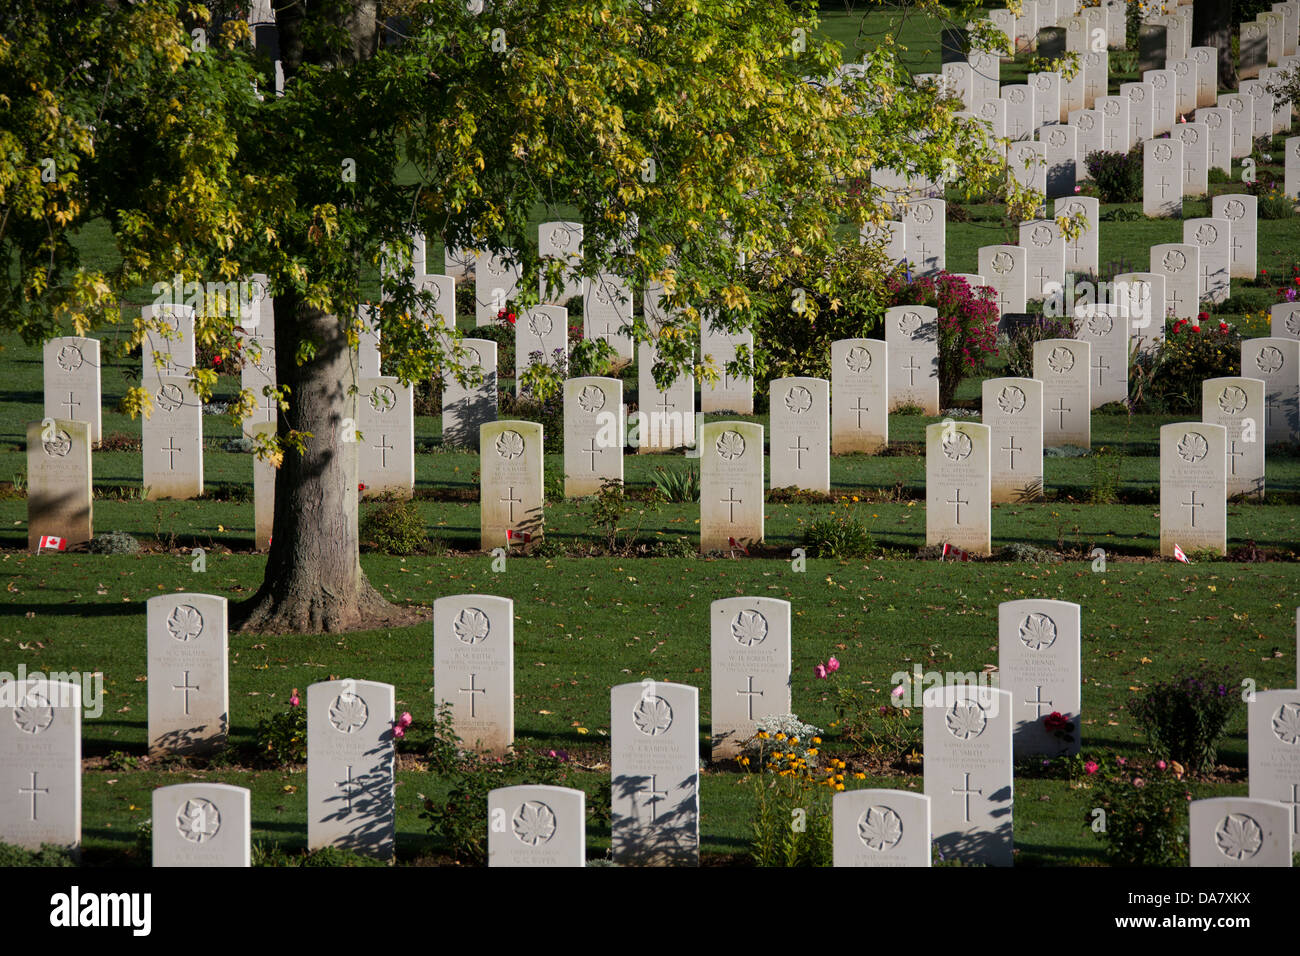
[548, 412]
[677, 486]
[1273, 201]
[791, 822]
[1186, 358]
[282, 738]
[394, 526]
[115, 542]
[1145, 822]
[1106, 465]
[611, 510]
[1185, 718]
[1117, 176]
[1021, 339]
[838, 536]
[48, 855]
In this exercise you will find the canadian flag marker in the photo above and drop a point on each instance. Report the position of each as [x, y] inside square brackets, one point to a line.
[737, 544]
[511, 534]
[1178, 553]
[49, 542]
[954, 553]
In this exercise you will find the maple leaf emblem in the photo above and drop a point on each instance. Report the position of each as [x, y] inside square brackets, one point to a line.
[1017, 95]
[858, 359]
[880, 828]
[1234, 210]
[1111, 107]
[540, 324]
[798, 400]
[1238, 837]
[475, 357]
[591, 399]
[471, 626]
[1269, 359]
[170, 397]
[1293, 322]
[1232, 400]
[185, 623]
[1037, 631]
[1189, 135]
[1099, 324]
[510, 444]
[1193, 447]
[533, 823]
[956, 446]
[1286, 724]
[909, 323]
[1060, 360]
[1002, 263]
[348, 713]
[1174, 261]
[70, 358]
[1164, 152]
[1086, 120]
[382, 398]
[34, 714]
[59, 446]
[1011, 399]
[1040, 236]
[653, 716]
[198, 820]
[1056, 138]
[966, 720]
[922, 214]
[749, 628]
[1206, 234]
[730, 445]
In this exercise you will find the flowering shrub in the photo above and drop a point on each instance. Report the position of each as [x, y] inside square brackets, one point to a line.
[282, 738]
[1188, 356]
[1145, 822]
[1117, 176]
[838, 535]
[1184, 719]
[1021, 339]
[1273, 201]
[968, 324]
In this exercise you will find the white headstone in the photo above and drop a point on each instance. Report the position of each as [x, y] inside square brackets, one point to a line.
[1238, 405]
[924, 235]
[1291, 182]
[537, 826]
[1141, 298]
[1218, 123]
[386, 434]
[1105, 329]
[72, 384]
[474, 668]
[1028, 162]
[607, 313]
[201, 824]
[172, 437]
[59, 497]
[1038, 663]
[561, 241]
[1185, 83]
[1277, 362]
[655, 771]
[859, 396]
[466, 407]
[1013, 410]
[458, 262]
[1207, 74]
[440, 290]
[1193, 487]
[750, 666]
[593, 434]
[263, 492]
[1044, 257]
[495, 284]
[1213, 239]
[1064, 366]
[1284, 320]
[957, 486]
[666, 417]
[189, 698]
[1090, 125]
[1180, 264]
[1117, 135]
[912, 336]
[1060, 153]
[1162, 178]
[1239, 832]
[731, 485]
[968, 773]
[369, 361]
[1273, 728]
[799, 422]
[734, 394]
[541, 336]
[1241, 211]
[1081, 252]
[169, 349]
[1046, 88]
[510, 483]
[1195, 138]
[1005, 270]
[1141, 110]
[881, 828]
[1164, 108]
[1243, 128]
[40, 750]
[351, 799]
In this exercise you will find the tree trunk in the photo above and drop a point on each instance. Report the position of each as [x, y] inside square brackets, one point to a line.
[313, 581]
[1212, 26]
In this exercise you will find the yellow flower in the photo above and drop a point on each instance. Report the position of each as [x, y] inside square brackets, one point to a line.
[780, 736]
[839, 786]
[812, 751]
[762, 735]
[859, 776]
[816, 740]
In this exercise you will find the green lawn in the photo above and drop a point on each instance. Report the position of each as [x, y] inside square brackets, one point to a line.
[583, 624]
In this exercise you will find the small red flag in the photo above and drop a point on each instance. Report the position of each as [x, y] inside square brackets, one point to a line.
[49, 541]
[957, 554]
[1178, 553]
[737, 544]
[511, 533]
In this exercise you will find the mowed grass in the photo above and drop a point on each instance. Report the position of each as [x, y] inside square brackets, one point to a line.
[584, 625]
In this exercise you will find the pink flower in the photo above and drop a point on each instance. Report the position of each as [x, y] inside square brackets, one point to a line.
[820, 671]
[1121, 761]
[1161, 764]
[832, 665]
[1091, 767]
[399, 731]
[897, 691]
[294, 701]
[1139, 782]
[405, 719]
[1078, 189]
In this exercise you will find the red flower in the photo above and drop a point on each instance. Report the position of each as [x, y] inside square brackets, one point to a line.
[216, 360]
[1055, 721]
[361, 486]
[1223, 326]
